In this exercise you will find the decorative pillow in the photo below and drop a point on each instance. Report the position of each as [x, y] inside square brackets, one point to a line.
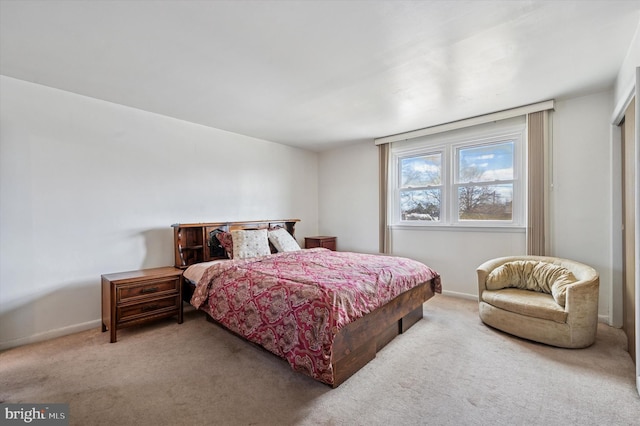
[504, 276]
[532, 275]
[282, 240]
[250, 243]
[226, 241]
[559, 287]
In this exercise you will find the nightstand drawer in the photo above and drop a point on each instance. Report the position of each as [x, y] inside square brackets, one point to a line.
[149, 288]
[127, 313]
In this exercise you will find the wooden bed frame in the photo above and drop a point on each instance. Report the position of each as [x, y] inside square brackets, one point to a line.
[355, 344]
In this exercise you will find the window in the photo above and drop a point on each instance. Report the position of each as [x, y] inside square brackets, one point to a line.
[484, 181]
[421, 186]
[467, 178]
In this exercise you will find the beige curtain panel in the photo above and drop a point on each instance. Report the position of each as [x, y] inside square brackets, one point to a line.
[383, 157]
[537, 196]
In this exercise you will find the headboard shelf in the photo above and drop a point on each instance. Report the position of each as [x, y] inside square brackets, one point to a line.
[196, 242]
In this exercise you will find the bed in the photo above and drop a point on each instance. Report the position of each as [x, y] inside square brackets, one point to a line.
[327, 313]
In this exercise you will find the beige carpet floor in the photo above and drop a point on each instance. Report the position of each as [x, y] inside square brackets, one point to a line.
[449, 369]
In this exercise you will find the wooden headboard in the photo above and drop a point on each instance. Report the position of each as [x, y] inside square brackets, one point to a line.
[196, 242]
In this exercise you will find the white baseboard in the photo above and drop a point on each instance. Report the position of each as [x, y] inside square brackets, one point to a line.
[460, 295]
[605, 319]
[50, 334]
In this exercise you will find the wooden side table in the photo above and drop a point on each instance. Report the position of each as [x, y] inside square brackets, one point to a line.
[138, 297]
[320, 241]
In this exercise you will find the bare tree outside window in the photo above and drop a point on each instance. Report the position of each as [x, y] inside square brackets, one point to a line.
[422, 204]
[485, 177]
[485, 202]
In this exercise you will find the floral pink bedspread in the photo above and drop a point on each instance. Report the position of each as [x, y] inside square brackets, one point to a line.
[294, 303]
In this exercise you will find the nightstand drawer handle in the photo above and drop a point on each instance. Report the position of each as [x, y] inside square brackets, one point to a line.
[149, 308]
[149, 290]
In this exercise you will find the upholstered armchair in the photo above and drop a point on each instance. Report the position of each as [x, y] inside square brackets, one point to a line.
[544, 299]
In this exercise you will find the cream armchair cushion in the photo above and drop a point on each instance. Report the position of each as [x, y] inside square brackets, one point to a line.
[532, 275]
[546, 299]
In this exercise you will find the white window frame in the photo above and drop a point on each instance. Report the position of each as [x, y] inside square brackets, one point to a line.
[448, 143]
[444, 167]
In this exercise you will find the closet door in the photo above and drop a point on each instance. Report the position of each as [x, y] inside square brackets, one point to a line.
[628, 221]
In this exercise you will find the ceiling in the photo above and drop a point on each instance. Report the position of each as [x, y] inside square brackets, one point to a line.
[318, 74]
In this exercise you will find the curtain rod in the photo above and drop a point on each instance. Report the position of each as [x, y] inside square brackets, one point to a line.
[467, 122]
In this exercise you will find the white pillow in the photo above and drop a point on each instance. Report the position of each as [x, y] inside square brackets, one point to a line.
[250, 243]
[282, 240]
[194, 272]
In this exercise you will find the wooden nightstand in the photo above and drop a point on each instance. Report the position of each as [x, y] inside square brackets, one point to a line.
[137, 297]
[321, 241]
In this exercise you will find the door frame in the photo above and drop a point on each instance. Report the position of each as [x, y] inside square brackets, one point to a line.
[615, 299]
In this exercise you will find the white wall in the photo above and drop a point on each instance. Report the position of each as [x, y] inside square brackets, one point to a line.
[581, 224]
[626, 79]
[348, 208]
[89, 187]
[581, 198]
[457, 254]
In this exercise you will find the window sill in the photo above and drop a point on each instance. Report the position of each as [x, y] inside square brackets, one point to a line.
[460, 228]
